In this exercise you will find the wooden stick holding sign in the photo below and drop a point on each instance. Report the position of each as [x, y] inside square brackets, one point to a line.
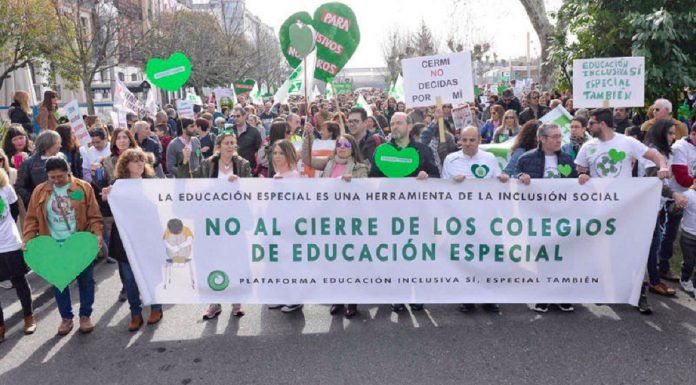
[338, 112]
[440, 120]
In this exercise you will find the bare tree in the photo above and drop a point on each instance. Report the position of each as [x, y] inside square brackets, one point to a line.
[394, 49]
[92, 33]
[268, 64]
[423, 41]
[536, 11]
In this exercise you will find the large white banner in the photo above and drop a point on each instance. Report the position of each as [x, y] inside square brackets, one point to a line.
[609, 82]
[446, 76]
[386, 240]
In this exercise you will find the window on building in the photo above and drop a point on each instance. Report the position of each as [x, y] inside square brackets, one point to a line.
[122, 76]
[134, 77]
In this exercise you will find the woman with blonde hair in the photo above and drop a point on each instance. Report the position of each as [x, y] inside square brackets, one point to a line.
[20, 110]
[509, 128]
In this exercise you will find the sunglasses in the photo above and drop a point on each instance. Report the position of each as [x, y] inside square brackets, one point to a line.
[342, 144]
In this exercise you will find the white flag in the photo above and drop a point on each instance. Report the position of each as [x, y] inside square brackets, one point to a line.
[361, 102]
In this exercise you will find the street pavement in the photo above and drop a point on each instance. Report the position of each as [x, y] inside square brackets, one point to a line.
[596, 344]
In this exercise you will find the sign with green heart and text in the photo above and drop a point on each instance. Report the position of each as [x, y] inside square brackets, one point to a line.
[243, 86]
[170, 74]
[337, 38]
[396, 163]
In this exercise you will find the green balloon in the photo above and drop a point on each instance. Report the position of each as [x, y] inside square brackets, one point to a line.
[396, 163]
[338, 36]
[243, 86]
[290, 53]
[302, 38]
[170, 74]
[61, 264]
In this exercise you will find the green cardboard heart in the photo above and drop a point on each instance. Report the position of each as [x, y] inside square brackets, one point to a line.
[395, 163]
[479, 170]
[76, 195]
[565, 169]
[616, 156]
[61, 264]
[289, 51]
[243, 86]
[302, 38]
[338, 36]
[170, 74]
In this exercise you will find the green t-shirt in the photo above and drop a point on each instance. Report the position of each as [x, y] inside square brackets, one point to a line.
[59, 210]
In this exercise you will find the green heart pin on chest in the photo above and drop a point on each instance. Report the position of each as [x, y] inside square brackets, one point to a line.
[565, 169]
[76, 195]
[170, 74]
[61, 264]
[396, 163]
[479, 170]
[616, 156]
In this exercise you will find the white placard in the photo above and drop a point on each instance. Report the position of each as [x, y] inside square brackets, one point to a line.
[447, 76]
[185, 109]
[609, 82]
[77, 123]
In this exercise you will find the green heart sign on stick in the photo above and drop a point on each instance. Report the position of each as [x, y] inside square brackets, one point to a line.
[616, 156]
[302, 38]
[61, 264]
[170, 74]
[337, 38]
[243, 86]
[479, 170]
[565, 169]
[395, 163]
[290, 53]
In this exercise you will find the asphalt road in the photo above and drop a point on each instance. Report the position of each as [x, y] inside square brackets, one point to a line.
[594, 345]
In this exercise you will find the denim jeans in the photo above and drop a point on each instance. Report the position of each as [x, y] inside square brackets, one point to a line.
[688, 245]
[653, 272]
[669, 235]
[85, 284]
[132, 292]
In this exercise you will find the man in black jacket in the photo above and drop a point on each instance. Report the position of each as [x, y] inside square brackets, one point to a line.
[401, 125]
[535, 110]
[546, 161]
[367, 141]
[510, 102]
[149, 144]
[248, 137]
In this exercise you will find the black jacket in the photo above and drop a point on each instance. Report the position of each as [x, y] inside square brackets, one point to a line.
[513, 105]
[248, 144]
[368, 144]
[17, 115]
[532, 164]
[425, 161]
[31, 173]
[528, 114]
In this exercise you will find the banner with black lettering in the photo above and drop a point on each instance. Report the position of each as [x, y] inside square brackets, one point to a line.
[386, 240]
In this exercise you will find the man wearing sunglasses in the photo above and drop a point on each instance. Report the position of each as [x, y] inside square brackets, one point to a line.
[535, 110]
[662, 109]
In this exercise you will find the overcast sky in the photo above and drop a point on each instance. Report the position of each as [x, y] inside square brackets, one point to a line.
[502, 22]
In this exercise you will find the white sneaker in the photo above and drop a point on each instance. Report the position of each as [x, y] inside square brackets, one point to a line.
[213, 311]
[6, 284]
[290, 308]
[688, 286]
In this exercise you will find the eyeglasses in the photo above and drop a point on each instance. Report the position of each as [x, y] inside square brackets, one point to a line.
[343, 144]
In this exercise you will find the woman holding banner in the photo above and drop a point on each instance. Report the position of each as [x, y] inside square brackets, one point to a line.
[132, 164]
[345, 163]
[224, 164]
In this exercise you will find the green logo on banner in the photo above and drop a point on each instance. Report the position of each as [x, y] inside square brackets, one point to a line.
[565, 169]
[60, 264]
[170, 74]
[479, 170]
[396, 163]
